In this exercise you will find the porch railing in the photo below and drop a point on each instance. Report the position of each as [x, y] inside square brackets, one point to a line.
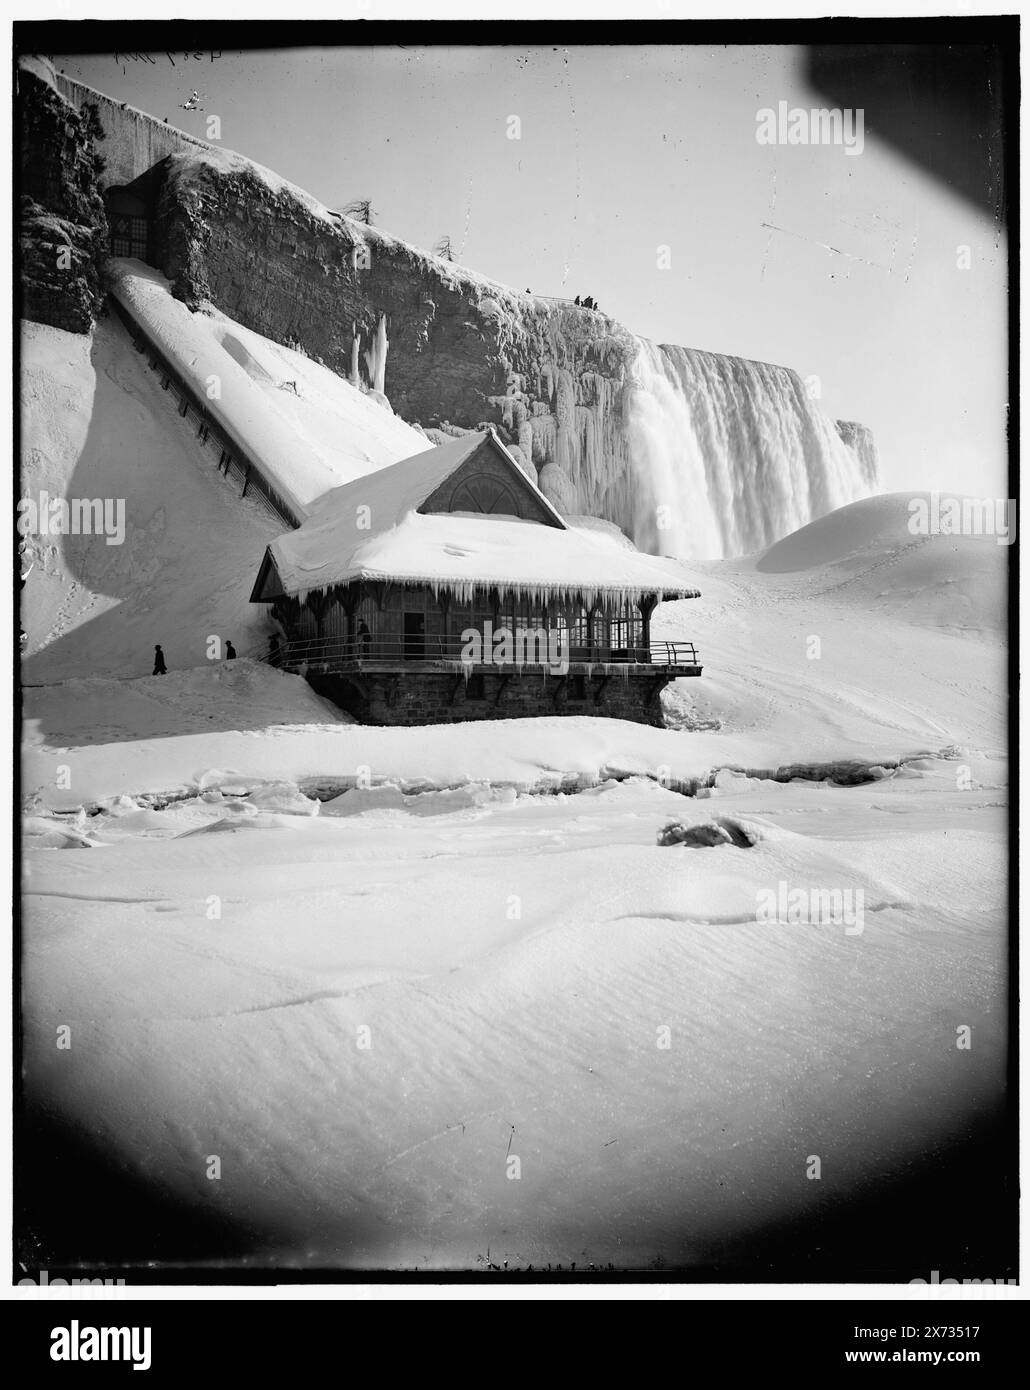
[330, 652]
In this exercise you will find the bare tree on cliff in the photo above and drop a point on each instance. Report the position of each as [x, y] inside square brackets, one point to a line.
[443, 248]
[361, 210]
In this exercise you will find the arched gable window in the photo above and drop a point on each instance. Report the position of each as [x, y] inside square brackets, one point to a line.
[485, 494]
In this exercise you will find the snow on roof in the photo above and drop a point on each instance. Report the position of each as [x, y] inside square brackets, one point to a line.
[371, 529]
[307, 439]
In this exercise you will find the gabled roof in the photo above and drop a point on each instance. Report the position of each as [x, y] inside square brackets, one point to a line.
[372, 529]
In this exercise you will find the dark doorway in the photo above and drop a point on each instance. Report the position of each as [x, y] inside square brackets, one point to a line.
[414, 636]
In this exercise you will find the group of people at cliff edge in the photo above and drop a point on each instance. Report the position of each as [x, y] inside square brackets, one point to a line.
[588, 302]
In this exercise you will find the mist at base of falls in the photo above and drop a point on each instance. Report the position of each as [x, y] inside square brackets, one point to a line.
[727, 456]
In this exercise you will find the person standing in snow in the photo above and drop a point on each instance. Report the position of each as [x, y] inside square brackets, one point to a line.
[230, 651]
[160, 669]
[273, 650]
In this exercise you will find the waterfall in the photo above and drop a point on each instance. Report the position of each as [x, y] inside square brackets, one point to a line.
[727, 456]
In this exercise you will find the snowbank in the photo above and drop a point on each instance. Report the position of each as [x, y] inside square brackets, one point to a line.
[96, 424]
[366, 1020]
[868, 553]
[366, 1010]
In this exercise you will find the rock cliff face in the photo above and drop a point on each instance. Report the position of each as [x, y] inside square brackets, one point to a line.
[63, 231]
[689, 452]
[453, 349]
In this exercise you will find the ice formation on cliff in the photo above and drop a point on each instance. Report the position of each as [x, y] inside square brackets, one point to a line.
[375, 357]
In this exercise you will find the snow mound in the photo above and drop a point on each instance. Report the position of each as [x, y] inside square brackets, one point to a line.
[243, 696]
[874, 524]
[45, 832]
[285, 798]
[870, 552]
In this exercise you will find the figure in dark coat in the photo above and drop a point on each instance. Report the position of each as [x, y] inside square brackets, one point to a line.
[230, 652]
[274, 654]
[364, 637]
[160, 669]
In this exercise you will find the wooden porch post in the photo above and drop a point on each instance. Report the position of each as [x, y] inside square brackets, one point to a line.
[647, 605]
[349, 600]
[443, 600]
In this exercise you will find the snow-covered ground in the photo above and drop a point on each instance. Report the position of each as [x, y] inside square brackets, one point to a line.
[367, 1006]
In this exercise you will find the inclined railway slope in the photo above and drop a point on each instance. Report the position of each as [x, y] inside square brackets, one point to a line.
[98, 422]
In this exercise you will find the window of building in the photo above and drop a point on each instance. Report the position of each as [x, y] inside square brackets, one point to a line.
[485, 494]
[128, 235]
[579, 632]
[627, 631]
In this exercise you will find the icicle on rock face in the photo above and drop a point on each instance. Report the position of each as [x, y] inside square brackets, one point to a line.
[728, 456]
[375, 358]
[355, 349]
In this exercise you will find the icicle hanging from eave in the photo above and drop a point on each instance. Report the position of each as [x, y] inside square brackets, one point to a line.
[464, 590]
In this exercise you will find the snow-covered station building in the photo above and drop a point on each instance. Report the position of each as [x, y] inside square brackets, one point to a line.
[447, 587]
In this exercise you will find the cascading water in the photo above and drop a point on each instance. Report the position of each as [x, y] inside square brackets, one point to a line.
[728, 456]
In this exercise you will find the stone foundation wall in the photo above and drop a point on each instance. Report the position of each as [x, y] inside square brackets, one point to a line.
[427, 698]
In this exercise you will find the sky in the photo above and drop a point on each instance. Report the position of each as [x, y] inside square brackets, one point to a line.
[624, 150]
